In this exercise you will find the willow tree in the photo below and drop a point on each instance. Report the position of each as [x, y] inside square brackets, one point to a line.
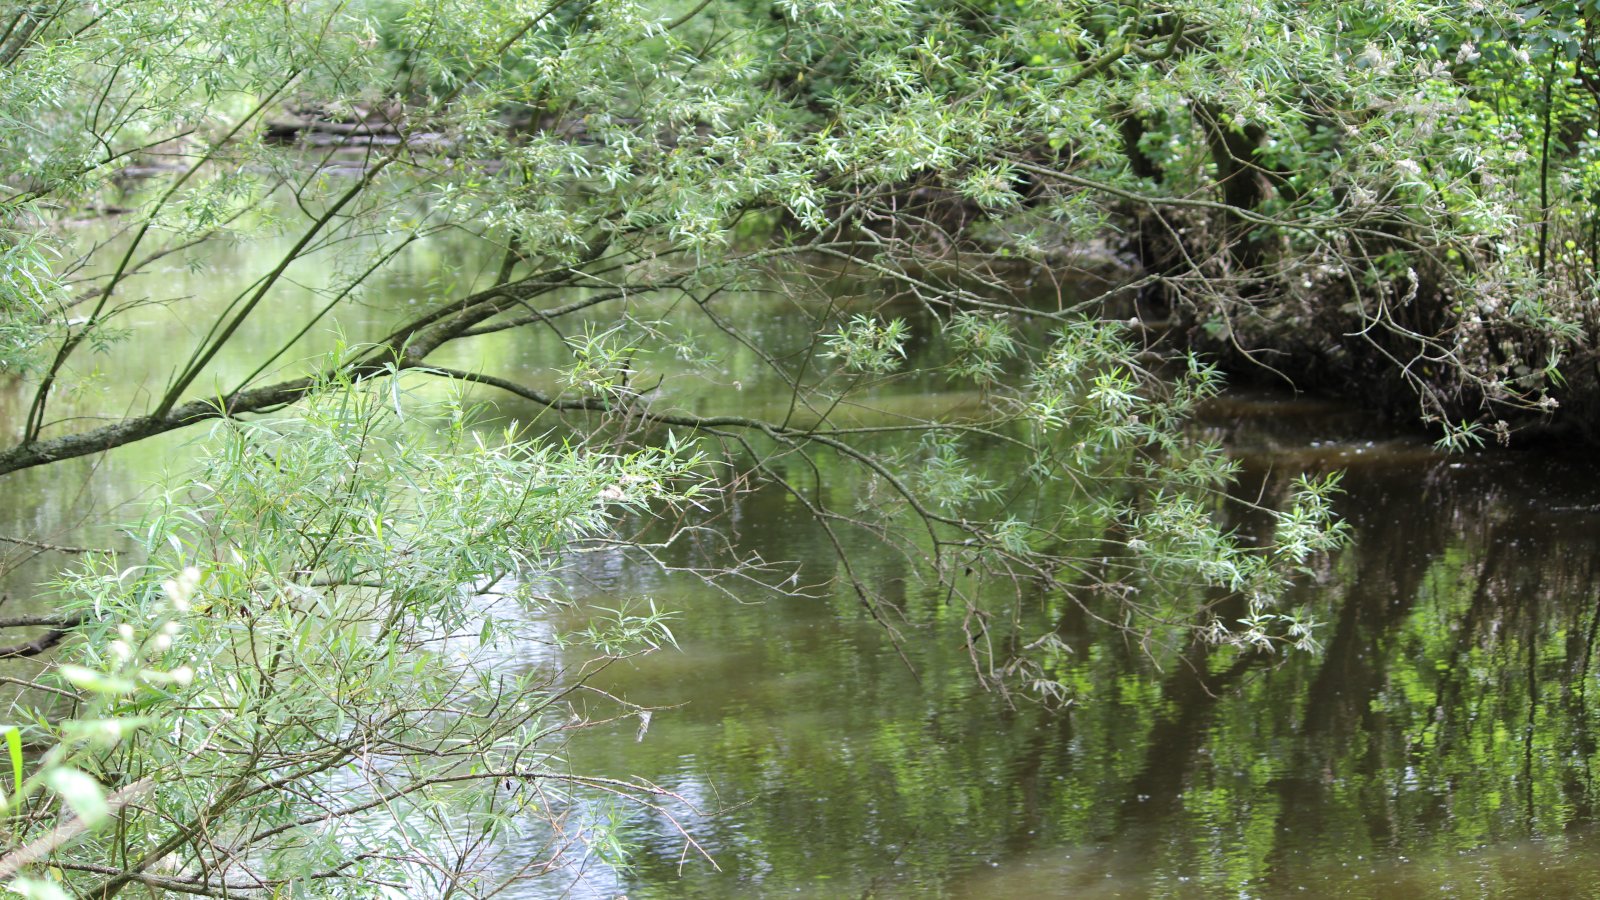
[293, 681]
[1389, 201]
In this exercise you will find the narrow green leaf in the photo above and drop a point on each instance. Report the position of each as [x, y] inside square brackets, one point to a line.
[82, 794]
[14, 744]
[98, 682]
[37, 889]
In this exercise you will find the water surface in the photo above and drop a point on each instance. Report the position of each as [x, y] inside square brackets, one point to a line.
[1442, 743]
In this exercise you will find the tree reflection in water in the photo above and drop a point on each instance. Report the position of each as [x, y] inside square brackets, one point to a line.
[1444, 740]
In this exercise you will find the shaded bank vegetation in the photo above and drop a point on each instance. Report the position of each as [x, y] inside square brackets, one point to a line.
[292, 673]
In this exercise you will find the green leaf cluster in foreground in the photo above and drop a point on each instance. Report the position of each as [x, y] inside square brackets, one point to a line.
[313, 671]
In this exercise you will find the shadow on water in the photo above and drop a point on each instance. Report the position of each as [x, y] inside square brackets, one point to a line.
[1441, 743]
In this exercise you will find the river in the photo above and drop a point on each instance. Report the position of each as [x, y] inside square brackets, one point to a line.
[1442, 743]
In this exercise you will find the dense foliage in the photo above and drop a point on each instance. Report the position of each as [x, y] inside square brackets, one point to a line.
[1326, 189]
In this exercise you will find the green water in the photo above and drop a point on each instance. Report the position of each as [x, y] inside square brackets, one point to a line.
[1441, 744]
